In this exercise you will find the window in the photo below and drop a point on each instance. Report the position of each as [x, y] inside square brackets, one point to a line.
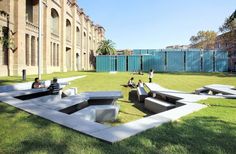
[29, 11]
[27, 49]
[57, 55]
[54, 22]
[90, 42]
[68, 30]
[85, 40]
[33, 51]
[77, 36]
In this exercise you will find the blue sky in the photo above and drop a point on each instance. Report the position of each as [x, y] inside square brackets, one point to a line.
[155, 24]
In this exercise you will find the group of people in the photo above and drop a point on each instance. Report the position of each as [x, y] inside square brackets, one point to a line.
[132, 84]
[53, 89]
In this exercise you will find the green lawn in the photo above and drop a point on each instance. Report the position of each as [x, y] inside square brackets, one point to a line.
[211, 130]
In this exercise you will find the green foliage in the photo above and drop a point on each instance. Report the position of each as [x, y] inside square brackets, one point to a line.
[211, 130]
[106, 47]
[229, 24]
[7, 42]
[204, 39]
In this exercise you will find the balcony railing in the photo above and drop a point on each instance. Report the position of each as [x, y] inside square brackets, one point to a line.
[31, 26]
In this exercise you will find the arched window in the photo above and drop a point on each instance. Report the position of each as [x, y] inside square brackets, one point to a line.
[90, 42]
[77, 36]
[85, 41]
[54, 22]
[68, 30]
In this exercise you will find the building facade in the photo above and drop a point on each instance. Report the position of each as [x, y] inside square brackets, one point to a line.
[69, 39]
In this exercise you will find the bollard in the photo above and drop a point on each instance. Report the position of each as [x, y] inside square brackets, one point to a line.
[23, 74]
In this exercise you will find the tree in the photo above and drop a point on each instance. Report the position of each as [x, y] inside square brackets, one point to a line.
[106, 47]
[204, 40]
[229, 24]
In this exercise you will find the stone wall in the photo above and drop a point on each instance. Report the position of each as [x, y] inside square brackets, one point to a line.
[58, 53]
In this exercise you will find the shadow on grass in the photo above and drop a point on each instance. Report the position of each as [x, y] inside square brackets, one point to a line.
[133, 97]
[196, 135]
[43, 144]
[6, 109]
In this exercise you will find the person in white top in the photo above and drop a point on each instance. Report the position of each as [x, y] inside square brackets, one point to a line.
[150, 76]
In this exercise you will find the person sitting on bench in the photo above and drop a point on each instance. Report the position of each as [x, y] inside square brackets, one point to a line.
[54, 88]
[37, 84]
[131, 83]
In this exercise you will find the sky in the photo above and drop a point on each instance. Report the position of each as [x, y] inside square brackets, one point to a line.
[155, 24]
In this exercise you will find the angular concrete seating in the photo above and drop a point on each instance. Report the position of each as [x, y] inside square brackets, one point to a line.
[70, 91]
[49, 99]
[157, 106]
[85, 114]
[106, 113]
[200, 90]
[98, 113]
[142, 94]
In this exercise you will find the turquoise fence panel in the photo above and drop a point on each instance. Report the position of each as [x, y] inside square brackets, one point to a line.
[98, 63]
[105, 63]
[193, 61]
[113, 63]
[221, 61]
[160, 65]
[207, 61]
[157, 52]
[136, 52]
[143, 51]
[148, 62]
[121, 63]
[175, 61]
[171, 50]
[134, 63]
[151, 51]
[102, 63]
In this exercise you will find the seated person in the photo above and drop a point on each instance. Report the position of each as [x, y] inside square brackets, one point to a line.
[54, 88]
[131, 83]
[140, 72]
[140, 83]
[36, 84]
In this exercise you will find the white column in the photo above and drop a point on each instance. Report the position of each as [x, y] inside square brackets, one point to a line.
[40, 43]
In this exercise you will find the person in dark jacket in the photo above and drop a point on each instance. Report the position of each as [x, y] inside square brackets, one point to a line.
[54, 88]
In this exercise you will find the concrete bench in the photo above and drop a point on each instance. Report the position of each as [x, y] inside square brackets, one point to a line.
[157, 106]
[142, 94]
[98, 113]
[70, 92]
[200, 90]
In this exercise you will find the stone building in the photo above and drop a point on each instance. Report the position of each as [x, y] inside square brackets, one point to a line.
[69, 37]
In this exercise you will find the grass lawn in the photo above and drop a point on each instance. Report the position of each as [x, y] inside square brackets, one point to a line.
[211, 130]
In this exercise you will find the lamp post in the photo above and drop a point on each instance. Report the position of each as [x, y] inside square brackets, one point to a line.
[40, 37]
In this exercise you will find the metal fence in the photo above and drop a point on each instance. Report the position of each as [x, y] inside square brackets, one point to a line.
[165, 61]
